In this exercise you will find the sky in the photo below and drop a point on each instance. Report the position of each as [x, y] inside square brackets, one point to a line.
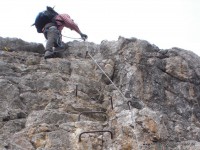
[165, 23]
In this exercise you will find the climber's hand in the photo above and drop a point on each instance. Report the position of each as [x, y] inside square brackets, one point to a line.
[84, 36]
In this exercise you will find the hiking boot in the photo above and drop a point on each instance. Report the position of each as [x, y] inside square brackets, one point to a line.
[48, 54]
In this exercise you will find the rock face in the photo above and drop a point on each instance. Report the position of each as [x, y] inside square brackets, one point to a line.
[149, 102]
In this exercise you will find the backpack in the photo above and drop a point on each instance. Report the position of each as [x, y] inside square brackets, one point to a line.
[45, 17]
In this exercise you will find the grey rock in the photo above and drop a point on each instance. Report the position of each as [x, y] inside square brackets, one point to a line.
[15, 44]
[155, 104]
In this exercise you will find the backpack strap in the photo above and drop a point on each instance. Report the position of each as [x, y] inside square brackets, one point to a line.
[48, 25]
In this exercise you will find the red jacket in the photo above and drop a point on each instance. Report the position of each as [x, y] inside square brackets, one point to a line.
[64, 20]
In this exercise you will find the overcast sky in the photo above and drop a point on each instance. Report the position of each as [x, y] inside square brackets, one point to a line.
[165, 23]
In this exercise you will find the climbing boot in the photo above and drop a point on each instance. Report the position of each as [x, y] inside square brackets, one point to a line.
[48, 54]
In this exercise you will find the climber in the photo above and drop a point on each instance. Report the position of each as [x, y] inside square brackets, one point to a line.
[50, 23]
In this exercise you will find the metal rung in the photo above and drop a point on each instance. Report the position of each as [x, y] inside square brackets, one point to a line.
[111, 102]
[76, 92]
[111, 134]
[90, 112]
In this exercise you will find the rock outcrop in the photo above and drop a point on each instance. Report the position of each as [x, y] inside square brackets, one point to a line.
[149, 102]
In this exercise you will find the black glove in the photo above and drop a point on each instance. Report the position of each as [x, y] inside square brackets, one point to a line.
[84, 36]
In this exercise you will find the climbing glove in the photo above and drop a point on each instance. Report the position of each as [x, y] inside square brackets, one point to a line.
[83, 36]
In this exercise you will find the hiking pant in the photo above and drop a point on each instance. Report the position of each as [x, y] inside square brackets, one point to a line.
[53, 36]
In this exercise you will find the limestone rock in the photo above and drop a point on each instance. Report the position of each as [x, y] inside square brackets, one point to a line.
[68, 103]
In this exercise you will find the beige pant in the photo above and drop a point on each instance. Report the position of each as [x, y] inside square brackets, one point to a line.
[53, 38]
